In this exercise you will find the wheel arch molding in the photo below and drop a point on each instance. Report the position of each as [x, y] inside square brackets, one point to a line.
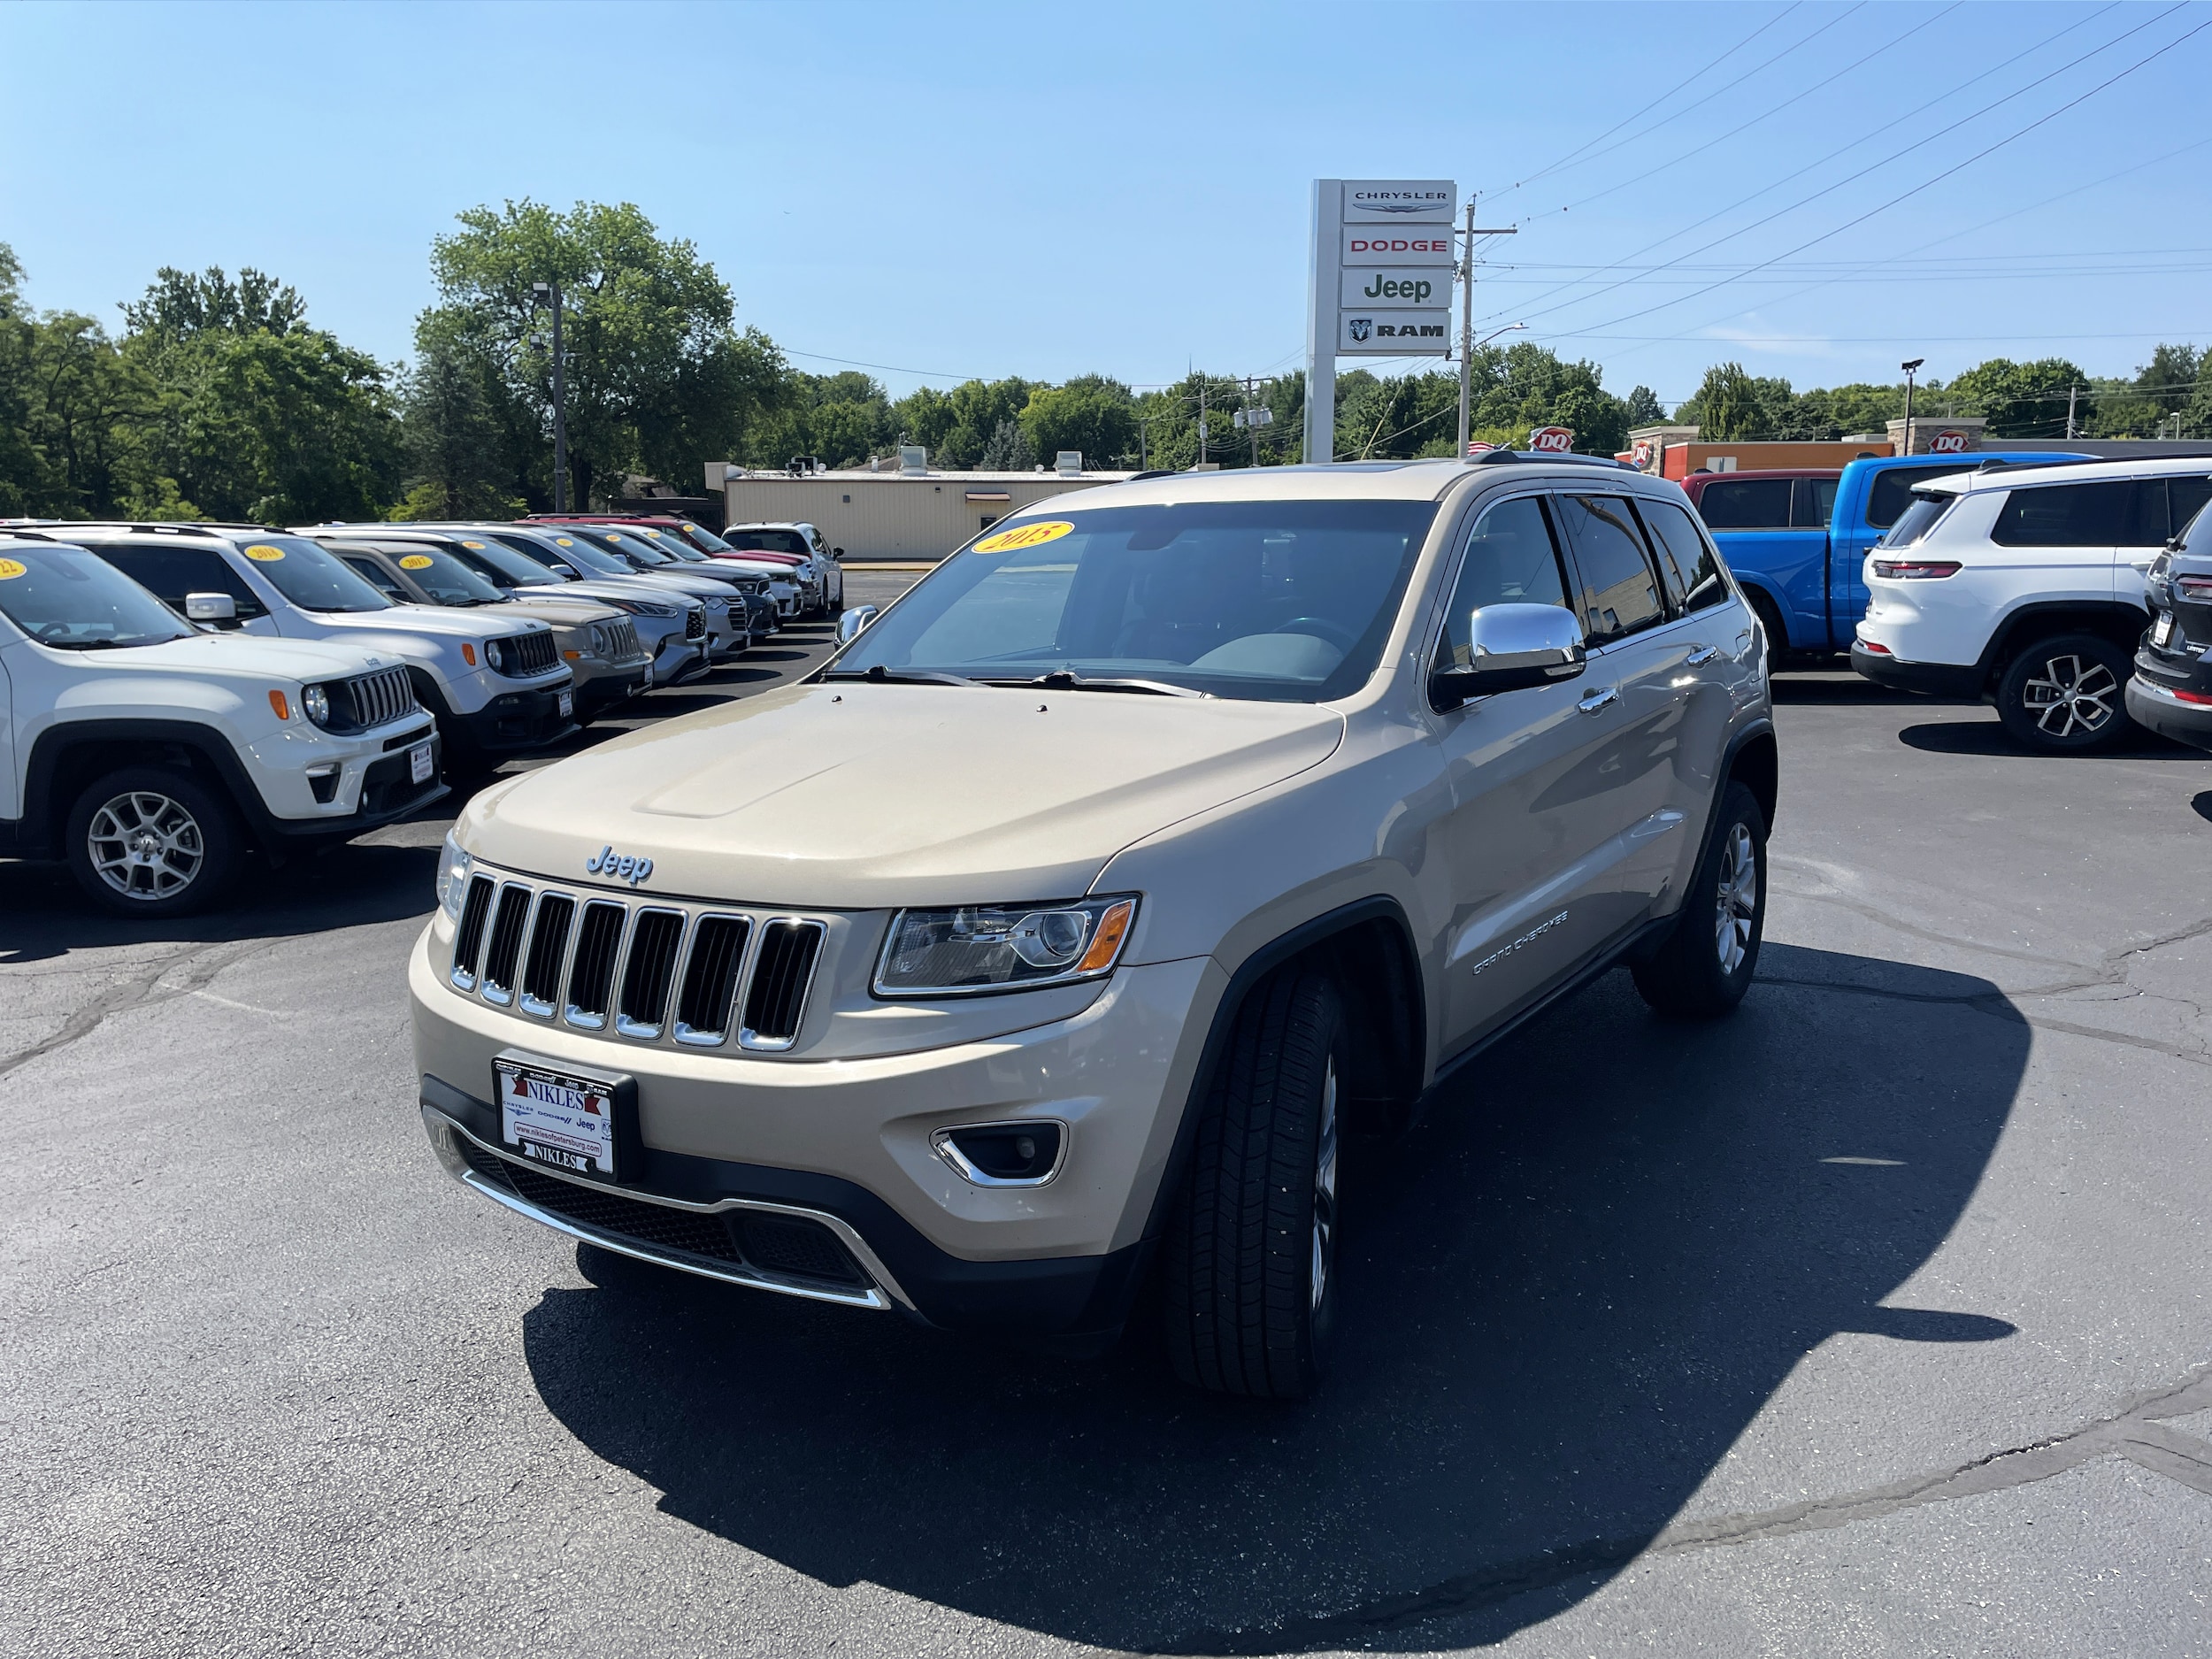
[2112, 619]
[64, 758]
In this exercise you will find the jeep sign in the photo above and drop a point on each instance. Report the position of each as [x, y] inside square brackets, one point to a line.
[1552, 439]
[1369, 287]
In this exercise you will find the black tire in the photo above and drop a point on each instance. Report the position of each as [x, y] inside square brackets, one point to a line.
[2066, 695]
[1250, 1281]
[154, 841]
[1707, 963]
[1770, 623]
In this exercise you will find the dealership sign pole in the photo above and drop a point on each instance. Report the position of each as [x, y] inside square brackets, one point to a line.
[1380, 284]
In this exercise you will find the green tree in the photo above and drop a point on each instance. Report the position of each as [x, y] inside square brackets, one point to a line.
[2019, 400]
[459, 449]
[1091, 412]
[1644, 408]
[24, 481]
[1008, 450]
[657, 375]
[1730, 406]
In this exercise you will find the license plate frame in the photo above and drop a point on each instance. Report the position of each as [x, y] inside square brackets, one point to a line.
[422, 765]
[567, 704]
[2163, 630]
[542, 1115]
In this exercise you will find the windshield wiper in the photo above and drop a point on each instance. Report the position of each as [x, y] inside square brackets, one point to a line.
[876, 673]
[1066, 679]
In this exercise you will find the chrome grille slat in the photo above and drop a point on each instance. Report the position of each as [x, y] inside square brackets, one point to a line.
[376, 699]
[535, 653]
[648, 972]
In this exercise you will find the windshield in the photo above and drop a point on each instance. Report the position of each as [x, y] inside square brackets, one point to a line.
[570, 550]
[769, 542]
[310, 576]
[446, 580]
[1286, 601]
[669, 542]
[703, 538]
[71, 599]
[501, 565]
[623, 543]
[1917, 519]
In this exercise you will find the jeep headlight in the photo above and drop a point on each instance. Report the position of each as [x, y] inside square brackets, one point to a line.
[316, 701]
[453, 867]
[1003, 947]
[495, 655]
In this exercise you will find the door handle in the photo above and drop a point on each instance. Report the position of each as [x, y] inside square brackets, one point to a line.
[1701, 656]
[1598, 699]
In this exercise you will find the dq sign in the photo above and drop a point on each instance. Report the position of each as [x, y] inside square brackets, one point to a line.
[1552, 439]
[1947, 443]
[1641, 454]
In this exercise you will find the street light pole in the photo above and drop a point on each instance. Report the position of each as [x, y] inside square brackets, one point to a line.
[1910, 369]
[560, 399]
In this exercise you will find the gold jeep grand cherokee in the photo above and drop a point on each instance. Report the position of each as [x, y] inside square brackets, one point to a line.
[1058, 927]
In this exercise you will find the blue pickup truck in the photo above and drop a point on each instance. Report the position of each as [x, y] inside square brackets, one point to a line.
[1797, 540]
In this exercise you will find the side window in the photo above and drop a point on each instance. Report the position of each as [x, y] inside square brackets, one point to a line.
[2062, 515]
[376, 576]
[1816, 502]
[1892, 494]
[1510, 561]
[2184, 496]
[1619, 593]
[1692, 568]
[172, 572]
[1746, 504]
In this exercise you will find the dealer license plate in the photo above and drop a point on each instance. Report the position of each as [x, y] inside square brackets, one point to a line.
[2162, 629]
[557, 1118]
[568, 704]
[419, 764]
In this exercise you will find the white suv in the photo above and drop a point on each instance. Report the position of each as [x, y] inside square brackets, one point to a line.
[151, 756]
[2025, 586]
[494, 681]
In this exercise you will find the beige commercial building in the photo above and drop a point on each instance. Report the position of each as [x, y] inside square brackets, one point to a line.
[890, 515]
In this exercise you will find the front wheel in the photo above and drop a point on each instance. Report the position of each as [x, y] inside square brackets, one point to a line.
[1250, 1270]
[2065, 695]
[1705, 965]
[153, 840]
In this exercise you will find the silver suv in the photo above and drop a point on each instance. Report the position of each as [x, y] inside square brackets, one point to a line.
[1058, 930]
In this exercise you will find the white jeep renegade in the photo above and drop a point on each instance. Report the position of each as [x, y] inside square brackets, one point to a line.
[151, 756]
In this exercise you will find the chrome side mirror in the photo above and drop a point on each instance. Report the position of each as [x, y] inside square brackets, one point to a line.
[1511, 647]
[209, 608]
[849, 625]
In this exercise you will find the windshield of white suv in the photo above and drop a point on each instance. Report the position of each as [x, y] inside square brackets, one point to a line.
[310, 577]
[75, 601]
[443, 576]
[1282, 601]
[744, 541]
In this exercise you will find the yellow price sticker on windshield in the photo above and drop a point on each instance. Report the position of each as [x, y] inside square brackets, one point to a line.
[262, 553]
[1025, 535]
[415, 562]
[473, 547]
[10, 570]
[562, 540]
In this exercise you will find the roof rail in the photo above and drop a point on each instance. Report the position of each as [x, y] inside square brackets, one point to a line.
[1496, 457]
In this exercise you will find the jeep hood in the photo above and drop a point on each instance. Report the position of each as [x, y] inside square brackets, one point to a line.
[251, 656]
[846, 796]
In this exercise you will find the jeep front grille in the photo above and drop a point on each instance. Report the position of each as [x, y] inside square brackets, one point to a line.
[534, 653]
[368, 701]
[649, 970]
[618, 640]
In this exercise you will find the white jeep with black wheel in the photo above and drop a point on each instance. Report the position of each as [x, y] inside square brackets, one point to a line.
[153, 757]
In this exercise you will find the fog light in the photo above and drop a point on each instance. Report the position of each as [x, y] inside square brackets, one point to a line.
[323, 780]
[1025, 1154]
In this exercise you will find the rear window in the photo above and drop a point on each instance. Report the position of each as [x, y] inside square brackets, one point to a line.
[1748, 503]
[2062, 515]
[1817, 502]
[1917, 520]
[1892, 493]
[767, 541]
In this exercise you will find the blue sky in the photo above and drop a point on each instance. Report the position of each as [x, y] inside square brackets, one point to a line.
[1037, 190]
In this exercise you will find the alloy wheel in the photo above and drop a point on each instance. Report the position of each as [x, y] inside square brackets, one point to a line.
[1736, 900]
[1324, 1191]
[145, 845]
[2069, 695]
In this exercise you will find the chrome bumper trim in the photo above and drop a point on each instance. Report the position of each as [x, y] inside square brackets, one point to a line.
[881, 1294]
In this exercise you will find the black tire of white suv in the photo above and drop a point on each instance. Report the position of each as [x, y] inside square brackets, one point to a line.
[1250, 1290]
[2066, 695]
[154, 841]
[1707, 962]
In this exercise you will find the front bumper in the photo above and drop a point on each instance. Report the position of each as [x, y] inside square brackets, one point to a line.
[2153, 705]
[388, 792]
[603, 690]
[848, 1141]
[515, 721]
[1942, 679]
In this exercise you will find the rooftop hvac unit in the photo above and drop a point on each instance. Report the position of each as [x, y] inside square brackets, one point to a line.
[1071, 463]
[913, 460]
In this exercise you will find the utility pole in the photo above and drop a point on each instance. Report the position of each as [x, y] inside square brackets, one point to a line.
[1466, 274]
[1909, 368]
[1250, 424]
[560, 400]
[2069, 413]
[1202, 420]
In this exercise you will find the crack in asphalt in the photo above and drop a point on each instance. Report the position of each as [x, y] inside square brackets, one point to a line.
[149, 987]
[2134, 1431]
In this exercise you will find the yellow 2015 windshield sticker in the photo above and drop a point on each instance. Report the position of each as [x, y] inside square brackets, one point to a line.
[262, 553]
[1024, 535]
[477, 547]
[10, 570]
[415, 562]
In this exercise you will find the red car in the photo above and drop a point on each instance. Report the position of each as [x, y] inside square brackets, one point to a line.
[1791, 498]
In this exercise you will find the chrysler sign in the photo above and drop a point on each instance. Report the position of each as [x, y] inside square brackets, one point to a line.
[1399, 201]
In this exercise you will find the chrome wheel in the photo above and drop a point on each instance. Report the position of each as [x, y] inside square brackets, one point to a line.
[145, 845]
[1736, 900]
[1324, 1191]
[2071, 694]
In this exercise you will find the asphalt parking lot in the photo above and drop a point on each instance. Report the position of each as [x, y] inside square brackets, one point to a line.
[1876, 1320]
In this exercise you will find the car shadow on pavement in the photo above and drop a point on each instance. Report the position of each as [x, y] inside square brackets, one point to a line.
[2201, 804]
[1987, 738]
[1568, 1292]
[1834, 689]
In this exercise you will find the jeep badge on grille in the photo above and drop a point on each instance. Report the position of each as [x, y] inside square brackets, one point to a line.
[625, 868]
